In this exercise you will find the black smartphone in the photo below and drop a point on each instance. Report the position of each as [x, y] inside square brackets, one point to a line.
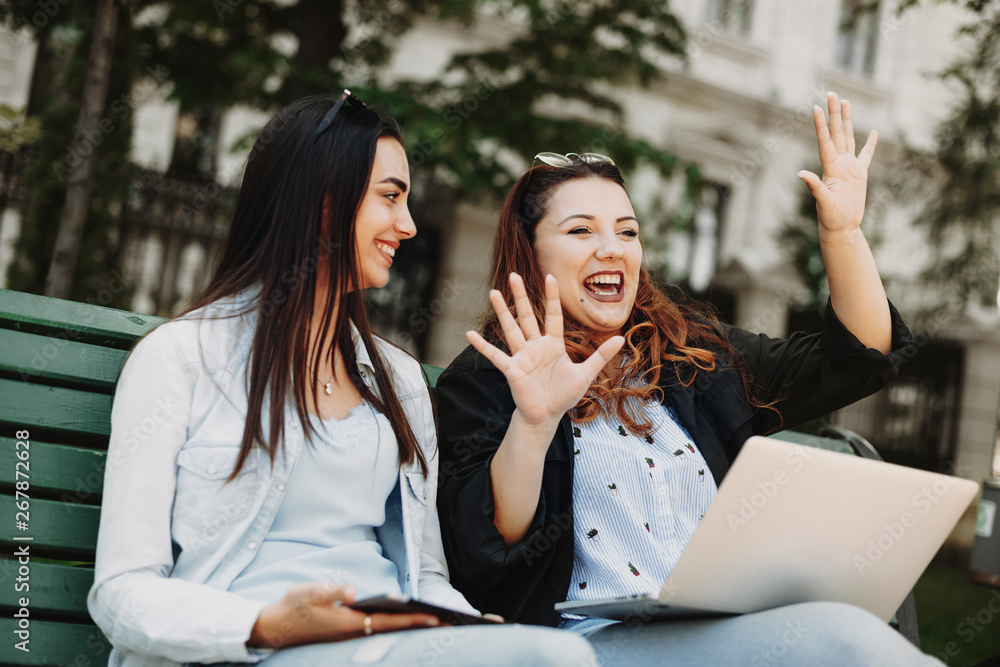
[403, 604]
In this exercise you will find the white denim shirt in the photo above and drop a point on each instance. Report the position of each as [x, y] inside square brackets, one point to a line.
[173, 535]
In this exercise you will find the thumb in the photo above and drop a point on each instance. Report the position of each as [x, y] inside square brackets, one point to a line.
[605, 353]
[813, 181]
[324, 594]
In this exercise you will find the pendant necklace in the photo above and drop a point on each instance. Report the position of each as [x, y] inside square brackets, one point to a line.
[328, 385]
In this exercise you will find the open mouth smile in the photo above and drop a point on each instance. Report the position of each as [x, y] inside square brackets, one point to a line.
[605, 286]
[387, 250]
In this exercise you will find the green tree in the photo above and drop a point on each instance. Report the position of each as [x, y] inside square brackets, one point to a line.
[963, 210]
[488, 103]
[551, 86]
[86, 139]
[63, 35]
[17, 131]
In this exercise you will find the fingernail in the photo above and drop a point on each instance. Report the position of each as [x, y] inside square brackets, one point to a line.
[432, 622]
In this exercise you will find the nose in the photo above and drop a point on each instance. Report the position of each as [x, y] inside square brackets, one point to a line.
[611, 247]
[405, 226]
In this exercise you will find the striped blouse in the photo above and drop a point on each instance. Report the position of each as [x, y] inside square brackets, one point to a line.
[636, 504]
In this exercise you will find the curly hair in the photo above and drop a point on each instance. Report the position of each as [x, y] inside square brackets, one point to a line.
[660, 334]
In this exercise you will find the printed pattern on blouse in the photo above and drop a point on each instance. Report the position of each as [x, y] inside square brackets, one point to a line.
[636, 503]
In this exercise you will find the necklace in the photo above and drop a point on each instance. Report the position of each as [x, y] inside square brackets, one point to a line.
[328, 385]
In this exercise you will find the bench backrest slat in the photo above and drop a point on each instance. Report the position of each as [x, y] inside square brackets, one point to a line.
[59, 360]
[57, 590]
[67, 473]
[53, 643]
[105, 327]
[71, 413]
[58, 530]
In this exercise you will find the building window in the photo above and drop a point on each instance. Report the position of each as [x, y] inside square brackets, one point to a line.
[734, 15]
[857, 36]
[693, 246]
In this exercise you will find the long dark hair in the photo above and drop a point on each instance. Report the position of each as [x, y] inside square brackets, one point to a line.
[658, 332]
[295, 212]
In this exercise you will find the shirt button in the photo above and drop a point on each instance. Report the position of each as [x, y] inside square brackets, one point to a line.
[281, 487]
[251, 545]
[662, 490]
[211, 470]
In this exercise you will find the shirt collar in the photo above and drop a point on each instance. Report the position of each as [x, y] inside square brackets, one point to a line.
[360, 351]
[365, 365]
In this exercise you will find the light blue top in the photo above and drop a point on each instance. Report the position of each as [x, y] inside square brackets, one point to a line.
[174, 535]
[325, 528]
[636, 504]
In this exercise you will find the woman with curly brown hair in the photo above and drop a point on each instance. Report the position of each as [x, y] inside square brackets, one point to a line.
[578, 457]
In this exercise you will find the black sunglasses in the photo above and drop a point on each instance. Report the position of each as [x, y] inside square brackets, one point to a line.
[331, 115]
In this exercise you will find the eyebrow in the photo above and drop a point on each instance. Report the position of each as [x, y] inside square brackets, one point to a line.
[395, 181]
[587, 216]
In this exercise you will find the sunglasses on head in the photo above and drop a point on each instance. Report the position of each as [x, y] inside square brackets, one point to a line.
[567, 160]
[331, 115]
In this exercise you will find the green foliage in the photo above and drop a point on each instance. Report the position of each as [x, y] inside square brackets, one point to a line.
[472, 128]
[548, 83]
[64, 47]
[16, 129]
[549, 88]
[961, 217]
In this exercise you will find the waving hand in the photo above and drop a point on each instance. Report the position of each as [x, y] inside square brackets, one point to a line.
[544, 381]
[840, 195]
[856, 292]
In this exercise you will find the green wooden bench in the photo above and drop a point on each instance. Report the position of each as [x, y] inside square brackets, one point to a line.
[59, 361]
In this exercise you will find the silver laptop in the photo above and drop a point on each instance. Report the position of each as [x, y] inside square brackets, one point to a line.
[798, 524]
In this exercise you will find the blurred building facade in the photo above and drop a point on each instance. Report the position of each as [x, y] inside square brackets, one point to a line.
[741, 109]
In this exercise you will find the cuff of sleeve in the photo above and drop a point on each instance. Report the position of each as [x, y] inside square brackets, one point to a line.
[235, 649]
[492, 545]
[847, 352]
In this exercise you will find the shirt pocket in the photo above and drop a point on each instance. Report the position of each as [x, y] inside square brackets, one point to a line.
[205, 504]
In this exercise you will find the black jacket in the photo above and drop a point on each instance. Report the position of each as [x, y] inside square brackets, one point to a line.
[810, 375]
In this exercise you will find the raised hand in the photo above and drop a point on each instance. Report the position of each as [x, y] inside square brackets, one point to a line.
[544, 381]
[840, 195]
[856, 291]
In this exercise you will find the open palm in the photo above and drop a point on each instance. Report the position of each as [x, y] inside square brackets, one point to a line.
[544, 381]
[840, 195]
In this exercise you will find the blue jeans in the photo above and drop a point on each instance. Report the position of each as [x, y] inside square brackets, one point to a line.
[817, 634]
[458, 646]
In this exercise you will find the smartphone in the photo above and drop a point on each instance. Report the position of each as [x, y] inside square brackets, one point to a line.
[403, 604]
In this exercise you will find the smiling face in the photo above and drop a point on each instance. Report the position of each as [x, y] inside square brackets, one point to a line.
[383, 219]
[588, 240]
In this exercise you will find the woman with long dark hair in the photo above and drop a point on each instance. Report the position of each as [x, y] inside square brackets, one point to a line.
[271, 460]
[584, 431]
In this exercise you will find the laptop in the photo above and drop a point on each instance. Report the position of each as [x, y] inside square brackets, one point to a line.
[798, 524]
